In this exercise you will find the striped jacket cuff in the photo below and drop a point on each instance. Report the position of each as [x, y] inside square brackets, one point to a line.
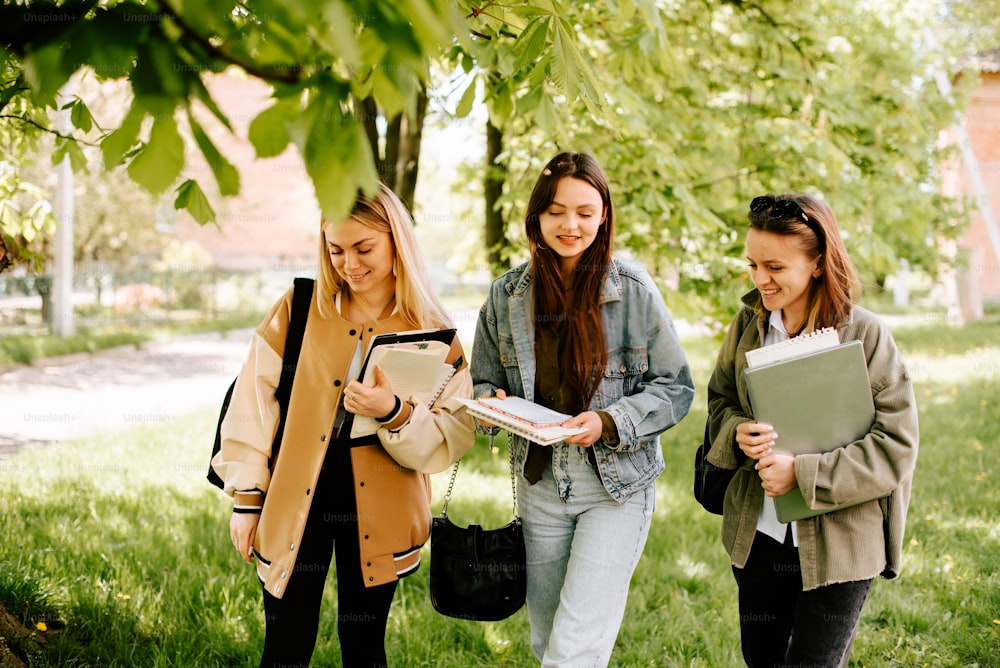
[248, 502]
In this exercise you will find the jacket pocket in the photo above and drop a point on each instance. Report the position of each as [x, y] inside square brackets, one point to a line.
[508, 354]
[621, 374]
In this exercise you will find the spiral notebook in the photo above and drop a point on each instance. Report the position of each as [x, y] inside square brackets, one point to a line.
[816, 394]
[415, 364]
[524, 418]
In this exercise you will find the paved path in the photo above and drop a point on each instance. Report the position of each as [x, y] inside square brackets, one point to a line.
[83, 395]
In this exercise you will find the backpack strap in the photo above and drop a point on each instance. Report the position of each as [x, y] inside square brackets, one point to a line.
[301, 300]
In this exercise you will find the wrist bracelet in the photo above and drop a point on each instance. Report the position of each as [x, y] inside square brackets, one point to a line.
[393, 413]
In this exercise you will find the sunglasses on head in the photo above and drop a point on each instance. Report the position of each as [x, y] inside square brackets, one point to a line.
[767, 207]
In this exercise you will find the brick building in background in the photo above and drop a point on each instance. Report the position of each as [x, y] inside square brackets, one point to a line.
[273, 223]
[982, 124]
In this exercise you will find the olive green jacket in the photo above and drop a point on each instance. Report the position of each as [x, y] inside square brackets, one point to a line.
[854, 543]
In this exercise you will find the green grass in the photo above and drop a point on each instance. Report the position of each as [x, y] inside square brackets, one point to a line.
[119, 545]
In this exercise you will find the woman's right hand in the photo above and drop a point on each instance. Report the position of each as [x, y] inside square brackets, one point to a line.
[755, 439]
[499, 394]
[242, 530]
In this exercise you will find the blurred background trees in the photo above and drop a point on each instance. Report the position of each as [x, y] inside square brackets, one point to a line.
[693, 108]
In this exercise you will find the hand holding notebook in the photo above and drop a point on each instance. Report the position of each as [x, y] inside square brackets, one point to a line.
[524, 418]
[413, 362]
[815, 392]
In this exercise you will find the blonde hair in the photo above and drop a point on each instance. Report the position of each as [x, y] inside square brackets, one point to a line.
[415, 299]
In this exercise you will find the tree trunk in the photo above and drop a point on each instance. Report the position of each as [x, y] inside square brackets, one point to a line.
[397, 158]
[408, 155]
[496, 174]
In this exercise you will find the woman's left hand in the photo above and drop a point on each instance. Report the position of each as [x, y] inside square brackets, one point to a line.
[371, 401]
[777, 474]
[593, 427]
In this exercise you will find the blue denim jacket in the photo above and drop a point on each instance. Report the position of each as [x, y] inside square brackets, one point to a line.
[646, 388]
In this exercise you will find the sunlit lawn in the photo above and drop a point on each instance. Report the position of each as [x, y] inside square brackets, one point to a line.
[119, 547]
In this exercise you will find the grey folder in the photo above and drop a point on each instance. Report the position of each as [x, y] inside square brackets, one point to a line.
[816, 403]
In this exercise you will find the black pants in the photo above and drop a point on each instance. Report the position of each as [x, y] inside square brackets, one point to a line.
[781, 625]
[292, 622]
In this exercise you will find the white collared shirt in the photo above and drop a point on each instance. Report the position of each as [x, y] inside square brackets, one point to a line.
[767, 521]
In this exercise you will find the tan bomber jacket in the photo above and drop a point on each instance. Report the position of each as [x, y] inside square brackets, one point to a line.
[390, 475]
[855, 543]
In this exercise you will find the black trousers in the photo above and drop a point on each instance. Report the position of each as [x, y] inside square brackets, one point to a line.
[292, 622]
[783, 626]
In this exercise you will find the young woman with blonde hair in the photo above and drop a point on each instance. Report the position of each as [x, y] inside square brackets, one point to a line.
[362, 503]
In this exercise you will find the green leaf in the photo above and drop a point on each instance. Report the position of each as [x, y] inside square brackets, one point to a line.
[545, 116]
[46, 70]
[563, 64]
[191, 198]
[159, 163]
[80, 115]
[115, 145]
[108, 45]
[269, 130]
[69, 148]
[501, 104]
[530, 43]
[338, 159]
[342, 29]
[468, 97]
[225, 174]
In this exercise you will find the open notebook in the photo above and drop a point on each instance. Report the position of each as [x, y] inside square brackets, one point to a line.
[815, 392]
[415, 365]
[524, 418]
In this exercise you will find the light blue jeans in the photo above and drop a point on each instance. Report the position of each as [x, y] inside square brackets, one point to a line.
[581, 554]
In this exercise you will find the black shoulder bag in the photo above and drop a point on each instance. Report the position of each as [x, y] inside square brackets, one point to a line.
[301, 298]
[477, 574]
[710, 481]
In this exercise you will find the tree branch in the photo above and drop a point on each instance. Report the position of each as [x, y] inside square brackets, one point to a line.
[286, 74]
[41, 127]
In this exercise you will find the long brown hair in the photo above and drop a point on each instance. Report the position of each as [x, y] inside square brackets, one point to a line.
[585, 351]
[833, 292]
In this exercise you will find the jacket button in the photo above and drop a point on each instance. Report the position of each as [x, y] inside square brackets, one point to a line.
[336, 383]
[368, 564]
[283, 573]
[322, 438]
[308, 492]
[361, 484]
[353, 332]
[277, 590]
[366, 536]
[623, 368]
[371, 579]
[292, 547]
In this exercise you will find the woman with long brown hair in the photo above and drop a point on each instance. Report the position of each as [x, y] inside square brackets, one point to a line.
[589, 335]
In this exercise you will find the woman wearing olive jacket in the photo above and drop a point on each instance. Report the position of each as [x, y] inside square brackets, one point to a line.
[364, 502]
[802, 585]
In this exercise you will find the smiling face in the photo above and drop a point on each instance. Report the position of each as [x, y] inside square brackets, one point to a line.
[783, 274]
[361, 256]
[570, 223]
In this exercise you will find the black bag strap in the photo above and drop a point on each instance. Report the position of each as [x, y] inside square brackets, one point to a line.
[454, 474]
[301, 298]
